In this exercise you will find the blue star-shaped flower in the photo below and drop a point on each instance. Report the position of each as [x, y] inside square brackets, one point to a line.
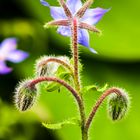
[86, 18]
[8, 52]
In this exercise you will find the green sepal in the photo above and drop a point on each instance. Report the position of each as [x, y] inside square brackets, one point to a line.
[72, 121]
[46, 26]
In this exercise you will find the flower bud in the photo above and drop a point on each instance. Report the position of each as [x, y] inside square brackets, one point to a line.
[25, 96]
[118, 105]
[49, 68]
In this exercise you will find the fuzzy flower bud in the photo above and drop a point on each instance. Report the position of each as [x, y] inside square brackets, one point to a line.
[25, 96]
[118, 105]
[48, 65]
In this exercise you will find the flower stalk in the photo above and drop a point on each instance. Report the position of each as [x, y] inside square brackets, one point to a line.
[74, 40]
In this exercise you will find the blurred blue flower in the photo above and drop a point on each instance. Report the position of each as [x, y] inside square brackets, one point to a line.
[8, 52]
[87, 17]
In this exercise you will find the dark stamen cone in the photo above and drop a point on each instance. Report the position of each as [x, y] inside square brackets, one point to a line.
[25, 96]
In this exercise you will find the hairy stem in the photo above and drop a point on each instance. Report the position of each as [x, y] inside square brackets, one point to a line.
[74, 31]
[98, 103]
[62, 82]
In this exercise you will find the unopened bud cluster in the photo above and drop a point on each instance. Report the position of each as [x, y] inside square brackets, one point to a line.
[45, 68]
[118, 105]
[25, 96]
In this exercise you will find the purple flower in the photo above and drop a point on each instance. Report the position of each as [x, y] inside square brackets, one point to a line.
[8, 52]
[72, 9]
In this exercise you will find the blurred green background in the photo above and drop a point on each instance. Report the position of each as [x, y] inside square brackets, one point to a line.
[117, 64]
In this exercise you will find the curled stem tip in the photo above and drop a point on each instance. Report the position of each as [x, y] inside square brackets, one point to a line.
[71, 89]
[118, 104]
[47, 66]
[62, 82]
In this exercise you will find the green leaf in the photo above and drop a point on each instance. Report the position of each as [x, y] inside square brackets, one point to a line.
[88, 88]
[66, 76]
[102, 89]
[61, 73]
[72, 121]
[94, 88]
[52, 86]
[60, 70]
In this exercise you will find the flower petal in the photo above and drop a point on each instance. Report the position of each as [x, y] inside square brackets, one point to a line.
[4, 69]
[8, 45]
[17, 56]
[57, 13]
[92, 16]
[83, 39]
[65, 31]
[74, 5]
[43, 2]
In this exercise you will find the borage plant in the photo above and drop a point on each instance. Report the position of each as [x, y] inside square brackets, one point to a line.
[73, 20]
